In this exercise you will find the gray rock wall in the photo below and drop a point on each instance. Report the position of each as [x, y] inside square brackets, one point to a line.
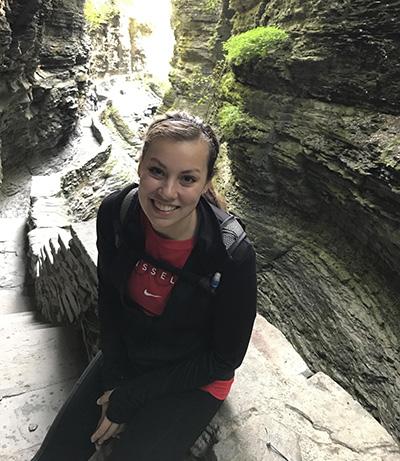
[43, 70]
[198, 27]
[111, 48]
[313, 169]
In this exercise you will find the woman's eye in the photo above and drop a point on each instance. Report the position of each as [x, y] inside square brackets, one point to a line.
[187, 179]
[155, 171]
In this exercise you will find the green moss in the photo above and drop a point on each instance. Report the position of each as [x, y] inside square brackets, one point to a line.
[212, 5]
[255, 42]
[98, 14]
[231, 90]
[236, 124]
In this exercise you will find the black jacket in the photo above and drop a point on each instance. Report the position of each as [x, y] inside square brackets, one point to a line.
[199, 337]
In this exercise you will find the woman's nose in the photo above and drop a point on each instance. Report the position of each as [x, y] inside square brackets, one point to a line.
[168, 190]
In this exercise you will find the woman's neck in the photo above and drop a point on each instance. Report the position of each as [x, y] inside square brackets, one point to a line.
[183, 230]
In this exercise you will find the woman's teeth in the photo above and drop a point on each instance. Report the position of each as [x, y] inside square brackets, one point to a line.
[162, 207]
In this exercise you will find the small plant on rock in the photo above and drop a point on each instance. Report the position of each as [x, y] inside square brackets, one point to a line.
[97, 14]
[253, 43]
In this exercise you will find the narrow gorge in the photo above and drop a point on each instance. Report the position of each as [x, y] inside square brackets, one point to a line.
[311, 121]
[305, 97]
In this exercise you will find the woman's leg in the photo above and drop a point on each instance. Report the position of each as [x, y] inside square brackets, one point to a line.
[165, 429]
[68, 438]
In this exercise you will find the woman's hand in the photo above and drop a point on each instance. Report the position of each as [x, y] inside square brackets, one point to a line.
[105, 428]
[103, 401]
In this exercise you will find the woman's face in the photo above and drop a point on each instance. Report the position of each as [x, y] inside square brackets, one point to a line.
[173, 175]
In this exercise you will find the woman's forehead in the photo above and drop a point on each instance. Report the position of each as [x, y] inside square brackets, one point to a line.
[182, 154]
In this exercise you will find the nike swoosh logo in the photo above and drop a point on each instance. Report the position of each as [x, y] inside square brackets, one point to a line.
[147, 293]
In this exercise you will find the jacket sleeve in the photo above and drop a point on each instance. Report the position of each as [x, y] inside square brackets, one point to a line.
[234, 311]
[114, 352]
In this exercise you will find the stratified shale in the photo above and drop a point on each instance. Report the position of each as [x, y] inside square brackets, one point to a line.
[43, 72]
[312, 125]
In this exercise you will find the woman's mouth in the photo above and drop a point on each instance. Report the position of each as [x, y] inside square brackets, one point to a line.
[162, 207]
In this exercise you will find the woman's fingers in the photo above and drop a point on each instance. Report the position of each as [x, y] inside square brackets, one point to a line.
[119, 430]
[103, 413]
[101, 430]
[106, 430]
[104, 398]
[112, 430]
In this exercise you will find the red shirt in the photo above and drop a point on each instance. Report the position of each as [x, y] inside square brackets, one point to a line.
[150, 286]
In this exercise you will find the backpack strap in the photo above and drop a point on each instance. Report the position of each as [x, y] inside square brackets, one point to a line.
[125, 204]
[120, 217]
[232, 230]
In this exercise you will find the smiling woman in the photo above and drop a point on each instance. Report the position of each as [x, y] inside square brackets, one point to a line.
[173, 176]
[176, 309]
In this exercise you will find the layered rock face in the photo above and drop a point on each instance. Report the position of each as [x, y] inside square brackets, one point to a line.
[197, 28]
[319, 137]
[43, 56]
[111, 48]
[313, 134]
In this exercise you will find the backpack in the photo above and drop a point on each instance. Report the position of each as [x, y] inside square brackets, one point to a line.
[232, 233]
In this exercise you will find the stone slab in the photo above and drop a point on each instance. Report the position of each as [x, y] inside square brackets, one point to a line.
[275, 348]
[19, 321]
[45, 186]
[12, 252]
[49, 212]
[36, 408]
[33, 359]
[86, 233]
[12, 270]
[12, 301]
[21, 455]
[42, 240]
[12, 230]
[273, 415]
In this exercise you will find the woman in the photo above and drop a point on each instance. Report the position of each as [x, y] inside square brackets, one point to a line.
[176, 308]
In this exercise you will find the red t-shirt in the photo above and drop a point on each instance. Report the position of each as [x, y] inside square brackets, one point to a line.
[150, 286]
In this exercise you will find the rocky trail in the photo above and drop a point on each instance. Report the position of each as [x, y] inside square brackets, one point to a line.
[41, 361]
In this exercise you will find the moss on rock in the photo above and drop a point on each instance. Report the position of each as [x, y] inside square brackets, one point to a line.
[253, 43]
[234, 123]
[98, 14]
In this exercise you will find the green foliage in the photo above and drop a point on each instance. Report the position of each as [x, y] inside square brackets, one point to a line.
[234, 124]
[212, 5]
[230, 90]
[229, 118]
[98, 14]
[255, 42]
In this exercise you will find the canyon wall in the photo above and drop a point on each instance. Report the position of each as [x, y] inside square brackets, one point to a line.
[43, 73]
[313, 167]
[198, 29]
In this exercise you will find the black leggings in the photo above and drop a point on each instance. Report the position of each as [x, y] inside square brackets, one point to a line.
[161, 430]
